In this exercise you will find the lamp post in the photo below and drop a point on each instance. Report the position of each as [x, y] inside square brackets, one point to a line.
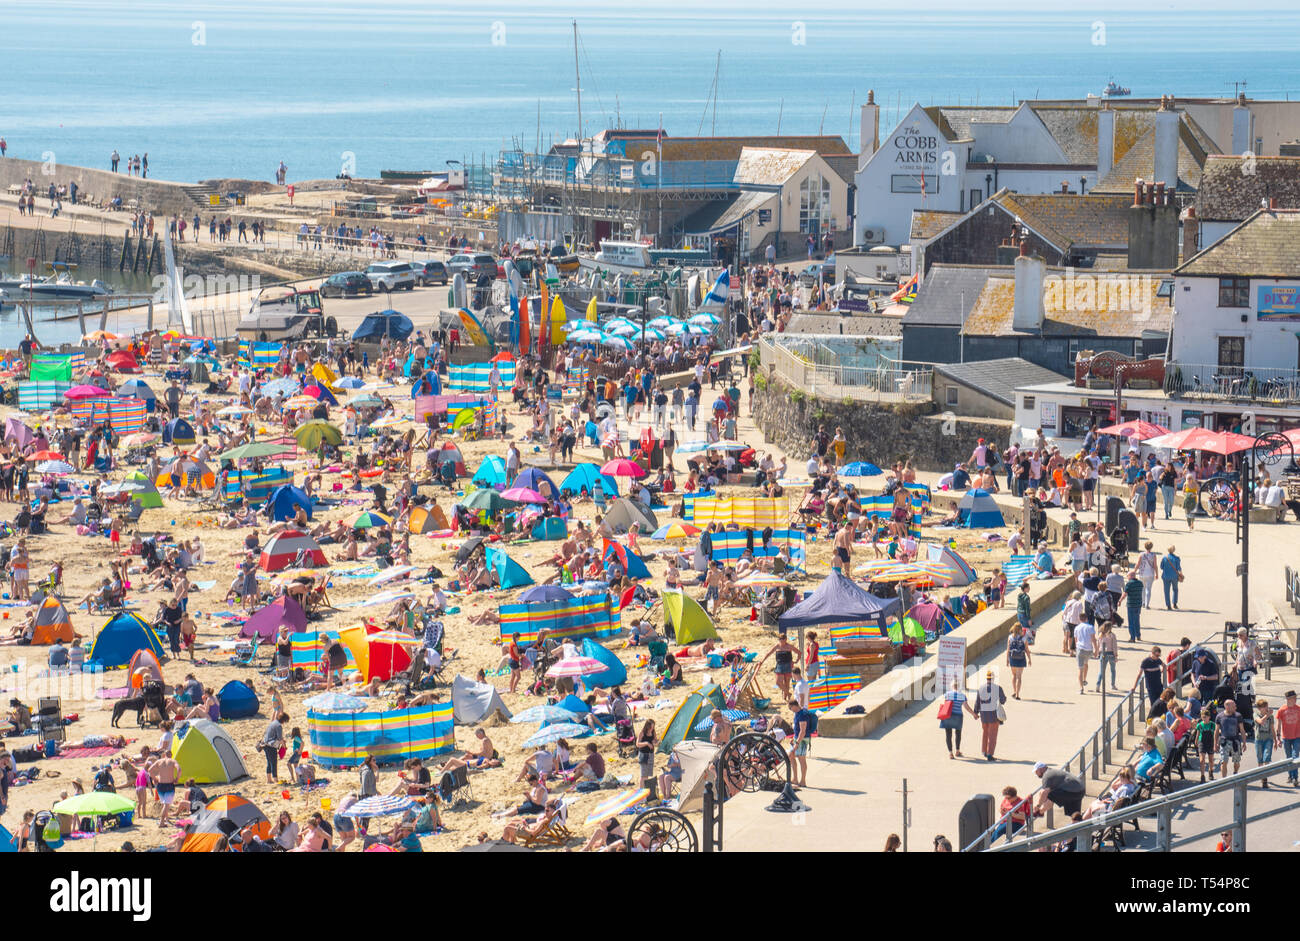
[1269, 449]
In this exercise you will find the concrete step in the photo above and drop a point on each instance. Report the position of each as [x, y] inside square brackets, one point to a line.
[199, 193]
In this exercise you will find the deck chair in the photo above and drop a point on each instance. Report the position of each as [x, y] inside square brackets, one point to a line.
[454, 787]
[48, 720]
[244, 655]
[1114, 833]
[556, 834]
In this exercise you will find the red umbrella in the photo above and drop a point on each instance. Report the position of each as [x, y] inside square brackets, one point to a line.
[622, 467]
[1201, 439]
[1142, 430]
[46, 456]
[390, 653]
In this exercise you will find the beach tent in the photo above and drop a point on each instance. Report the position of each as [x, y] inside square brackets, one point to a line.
[52, 623]
[535, 479]
[839, 600]
[138, 389]
[205, 829]
[321, 393]
[188, 470]
[978, 510]
[614, 674]
[207, 753]
[9, 845]
[17, 431]
[624, 512]
[144, 490]
[267, 620]
[384, 323]
[178, 431]
[119, 639]
[588, 475]
[449, 452]
[238, 700]
[491, 473]
[123, 361]
[510, 574]
[550, 527]
[694, 707]
[144, 664]
[945, 555]
[473, 702]
[282, 550]
[325, 376]
[428, 520]
[285, 499]
[690, 622]
[633, 565]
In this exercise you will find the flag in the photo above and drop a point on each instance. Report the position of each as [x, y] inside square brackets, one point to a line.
[923, 184]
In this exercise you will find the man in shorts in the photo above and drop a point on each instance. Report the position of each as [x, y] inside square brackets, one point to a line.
[804, 723]
[1227, 738]
[712, 582]
[165, 773]
[843, 547]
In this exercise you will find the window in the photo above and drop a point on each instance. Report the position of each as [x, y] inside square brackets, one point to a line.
[1232, 353]
[911, 183]
[814, 204]
[1030, 403]
[1234, 292]
[976, 197]
[1166, 289]
[950, 396]
[1072, 352]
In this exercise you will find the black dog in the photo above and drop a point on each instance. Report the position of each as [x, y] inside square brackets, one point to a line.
[123, 706]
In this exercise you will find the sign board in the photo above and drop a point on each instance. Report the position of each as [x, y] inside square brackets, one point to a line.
[952, 664]
[764, 217]
[858, 304]
[1278, 302]
[626, 173]
[1047, 415]
[214, 199]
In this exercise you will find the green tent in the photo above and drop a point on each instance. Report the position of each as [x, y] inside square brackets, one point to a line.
[695, 707]
[486, 499]
[689, 621]
[50, 367]
[144, 490]
[910, 626]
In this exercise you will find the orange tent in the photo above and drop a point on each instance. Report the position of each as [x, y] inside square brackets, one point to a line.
[202, 835]
[52, 623]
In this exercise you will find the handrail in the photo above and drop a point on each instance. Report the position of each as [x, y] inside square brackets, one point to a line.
[1163, 808]
[1100, 742]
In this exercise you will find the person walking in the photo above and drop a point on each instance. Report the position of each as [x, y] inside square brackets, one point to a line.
[1148, 567]
[1168, 481]
[1024, 613]
[988, 707]
[1085, 650]
[951, 717]
[1017, 658]
[1152, 670]
[272, 740]
[1107, 645]
[1071, 618]
[1133, 591]
[1287, 734]
[1265, 733]
[1171, 573]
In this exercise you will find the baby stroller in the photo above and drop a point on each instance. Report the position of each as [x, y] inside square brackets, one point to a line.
[447, 474]
[155, 704]
[625, 736]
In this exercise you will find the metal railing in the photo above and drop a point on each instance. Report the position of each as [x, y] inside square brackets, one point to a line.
[1232, 382]
[891, 381]
[1293, 589]
[1093, 757]
[1162, 808]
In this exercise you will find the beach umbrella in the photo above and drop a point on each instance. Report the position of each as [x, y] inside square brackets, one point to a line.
[577, 666]
[381, 805]
[675, 531]
[620, 802]
[390, 652]
[1142, 430]
[550, 734]
[251, 450]
[388, 421]
[233, 411]
[370, 518]
[705, 319]
[313, 433]
[733, 715]
[387, 597]
[760, 580]
[99, 336]
[336, 702]
[622, 467]
[663, 323]
[300, 401]
[1202, 439]
[281, 386]
[585, 336]
[379, 848]
[139, 439]
[392, 574]
[85, 392]
[349, 382]
[621, 343]
[544, 713]
[485, 499]
[545, 593]
[367, 400]
[55, 467]
[45, 455]
[860, 469]
[939, 572]
[523, 495]
[687, 329]
[621, 322]
[93, 804]
[651, 333]
[621, 329]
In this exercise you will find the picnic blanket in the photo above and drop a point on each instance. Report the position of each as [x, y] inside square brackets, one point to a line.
[102, 751]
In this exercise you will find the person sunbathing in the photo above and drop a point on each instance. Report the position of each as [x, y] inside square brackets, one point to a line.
[607, 835]
[534, 827]
[482, 755]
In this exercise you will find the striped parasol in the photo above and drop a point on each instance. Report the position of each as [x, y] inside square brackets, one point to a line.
[392, 574]
[370, 518]
[388, 421]
[301, 401]
[381, 805]
[676, 531]
[550, 734]
[760, 580]
[732, 715]
[543, 713]
[577, 666]
[619, 803]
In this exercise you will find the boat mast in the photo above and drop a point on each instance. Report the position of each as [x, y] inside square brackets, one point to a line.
[578, 83]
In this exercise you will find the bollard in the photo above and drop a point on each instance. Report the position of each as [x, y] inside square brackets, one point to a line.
[708, 816]
[1239, 819]
[1164, 829]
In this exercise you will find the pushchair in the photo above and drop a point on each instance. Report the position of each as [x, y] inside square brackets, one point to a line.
[447, 474]
[625, 737]
[155, 704]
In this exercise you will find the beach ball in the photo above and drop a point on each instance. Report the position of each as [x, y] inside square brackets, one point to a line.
[285, 794]
[173, 522]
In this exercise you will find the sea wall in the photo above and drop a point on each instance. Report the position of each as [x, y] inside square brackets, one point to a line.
[157, 196]
[881, 432]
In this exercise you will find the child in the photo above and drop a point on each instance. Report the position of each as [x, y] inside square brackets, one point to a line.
[1204, 732]
[295, 752]
[997, 588]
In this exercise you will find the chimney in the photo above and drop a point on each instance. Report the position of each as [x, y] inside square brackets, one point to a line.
[1243, 127]
[1065, 187]
[1105, 141]
[1191, 232]
[1141, 226]
[1030, 272]
[1272, 202]
[1166, 156]
[868, 130]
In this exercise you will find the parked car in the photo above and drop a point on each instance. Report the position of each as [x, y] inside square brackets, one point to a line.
[346, 284]
[430, 272]
[391, 276]
[819, 271]
[473, 265]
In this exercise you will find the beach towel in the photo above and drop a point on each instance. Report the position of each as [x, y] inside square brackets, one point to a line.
[102, 751]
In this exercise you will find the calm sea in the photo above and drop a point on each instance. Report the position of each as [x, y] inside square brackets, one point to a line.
[231, 88]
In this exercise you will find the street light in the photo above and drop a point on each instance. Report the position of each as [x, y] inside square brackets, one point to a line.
[1269, 449]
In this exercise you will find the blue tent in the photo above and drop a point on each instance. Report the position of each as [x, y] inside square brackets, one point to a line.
[322, 393]
[588, 475]
[573, 703]
[178, 431]
[531, 477]
[978, 510]
[284, 499]
[860, 469]
[614, 675]
[510, 574]
[839, 600]
[430, 384]
[491, 473]
[237, 700]
[384, 323]
[550, 527]
[633, 564]
[121, 638]
[7, 842]
[139, 389]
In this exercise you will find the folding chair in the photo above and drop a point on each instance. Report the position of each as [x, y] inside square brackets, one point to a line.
[454, 787]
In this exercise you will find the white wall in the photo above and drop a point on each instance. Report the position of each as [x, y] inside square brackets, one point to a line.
[1199, 322]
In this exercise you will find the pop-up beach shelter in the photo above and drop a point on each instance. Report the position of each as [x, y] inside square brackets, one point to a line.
[510, 574]
[978, 510]
[491, 473]
[589, 475]
[207, 753]
[690, 622]
[282, 550]
[52, 623]
[119, 639]
[284, 501]
[473, 702]
[633, 565]
[267, 620]
[144, 666]
[614, 674]
[179, 432]
[427, 520]
[535, 479]
[237, 700]
[624, 512]
[694, 707]
[945, 555]
[144, 490]
[227, 812]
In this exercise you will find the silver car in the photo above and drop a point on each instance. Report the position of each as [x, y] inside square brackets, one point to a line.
[391, 276]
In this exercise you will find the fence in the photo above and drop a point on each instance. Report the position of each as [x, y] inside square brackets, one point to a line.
[890, 381]
[1280, 386]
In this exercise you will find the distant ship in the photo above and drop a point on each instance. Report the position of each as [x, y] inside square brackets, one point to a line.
[1112, 90]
